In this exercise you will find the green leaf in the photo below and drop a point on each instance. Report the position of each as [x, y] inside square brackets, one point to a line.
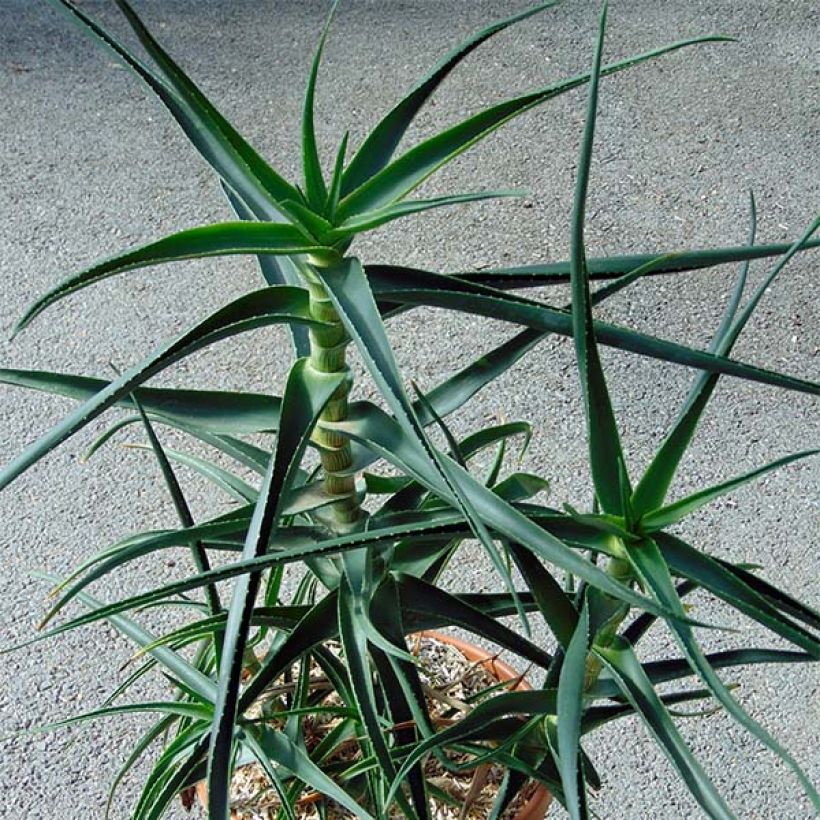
[370, 425]
[266, 307]
[174, 663]
[137, 751]
[307, 547]
[238, 489]
[175, 708]
[637, 688]
[306, 395]
[670, 670]
[276, 270]
[648, 562]
[480, 440]
[376, 151]
[221, 239]
[215, 411]
[597, 716]
[452, 443]
[311, 166]
[336, 181]
[672, 513]
[215, 139]
[554, 604]
[640, 626]
[249, 741]
[318, 625]
[606, 457]
[170, 776]
[698, 566]
[609, 267]
[401, 176]
[425, 288]
[458, 389]
[198, 553]
[521, 486]
[570, 706]
[402, 687]
[381, 216]
[354, 641]
[777, 597]
[282, 751]
[350, 293]
[652, 489]
[429, 600]
[475, 724]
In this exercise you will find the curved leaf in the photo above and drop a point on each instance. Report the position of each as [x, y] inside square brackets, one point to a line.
[215, 139]
[672, 513]
[606, 457]
[270, 306]
[636, 687]
[369, 424]
[215, 411]
[650, 566]
[221, 239]
[407, 172]
[311, 166]
[652, 489]
[696, 565]
[570, 706]
[609, 267]
[377, 149]
[306, 394]
[435, 290]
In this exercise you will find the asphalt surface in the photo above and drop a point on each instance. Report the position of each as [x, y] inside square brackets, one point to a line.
[91, 165]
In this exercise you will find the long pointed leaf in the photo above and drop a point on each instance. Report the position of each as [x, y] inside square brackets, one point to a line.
[306, 394]
[376, 151]
[698, 566]
[350, 293]
[216, 140]
[425, 288]
[636, 687]
[208, 240]
[407, 172]
[672, 513]
[210, 410]
[647, 560]
[652, 489]
[606, 457]
[311, 166]
[371, 425]
[266, 307]
[570, 704]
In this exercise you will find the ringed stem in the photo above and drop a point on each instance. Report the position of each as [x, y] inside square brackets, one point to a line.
[328, 347]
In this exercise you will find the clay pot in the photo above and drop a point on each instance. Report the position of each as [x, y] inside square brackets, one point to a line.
[536, 807]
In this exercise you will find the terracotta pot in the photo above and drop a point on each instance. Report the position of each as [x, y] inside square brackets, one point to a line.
[536, 807]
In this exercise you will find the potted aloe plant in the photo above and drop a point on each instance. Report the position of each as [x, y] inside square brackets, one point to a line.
[336, 565]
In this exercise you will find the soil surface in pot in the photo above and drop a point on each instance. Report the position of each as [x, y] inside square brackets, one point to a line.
[452, 684]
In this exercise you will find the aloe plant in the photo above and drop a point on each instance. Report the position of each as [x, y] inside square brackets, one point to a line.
[369, 550]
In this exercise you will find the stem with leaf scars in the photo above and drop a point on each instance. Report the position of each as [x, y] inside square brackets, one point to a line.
[328, 347]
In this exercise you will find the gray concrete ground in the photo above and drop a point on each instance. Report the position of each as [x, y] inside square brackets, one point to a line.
[89, 165]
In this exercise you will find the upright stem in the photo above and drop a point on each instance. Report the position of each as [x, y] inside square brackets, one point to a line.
[616, 611]
[327, 355]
